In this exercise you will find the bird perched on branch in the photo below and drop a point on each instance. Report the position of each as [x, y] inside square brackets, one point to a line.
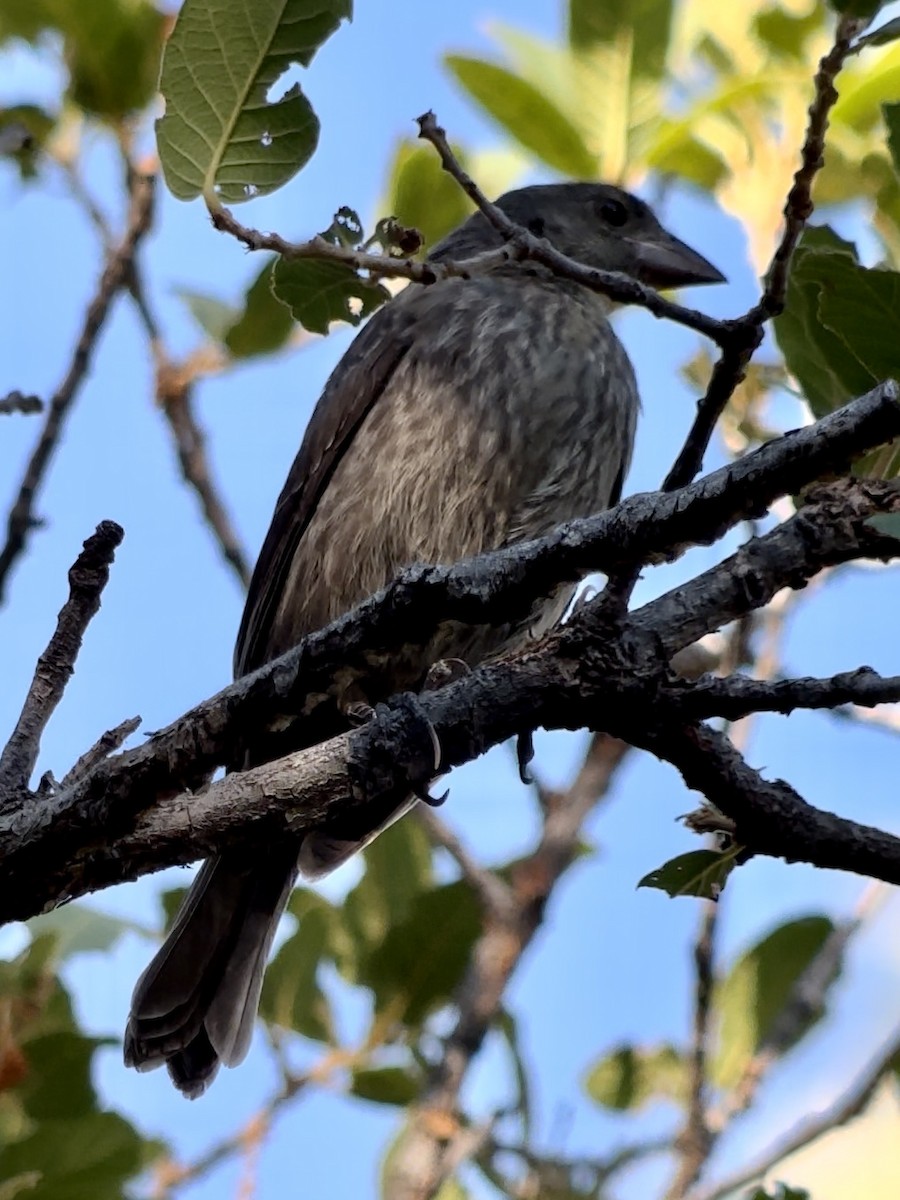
[466, 415]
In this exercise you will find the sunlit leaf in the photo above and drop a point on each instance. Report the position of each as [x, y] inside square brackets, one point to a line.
[222, 133]
[697, 873]
[421, 194]
[751, 999]
[644, 24]
[631, 1076]
[526, 114]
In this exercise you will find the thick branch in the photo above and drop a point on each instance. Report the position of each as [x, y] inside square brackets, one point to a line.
[103, 830]
[115, 276]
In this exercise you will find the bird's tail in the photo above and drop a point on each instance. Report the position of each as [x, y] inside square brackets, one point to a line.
[195, 1005]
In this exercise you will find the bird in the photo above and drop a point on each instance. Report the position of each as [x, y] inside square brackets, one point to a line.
[467, 414]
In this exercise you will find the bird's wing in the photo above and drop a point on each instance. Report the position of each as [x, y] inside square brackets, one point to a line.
[349, 396]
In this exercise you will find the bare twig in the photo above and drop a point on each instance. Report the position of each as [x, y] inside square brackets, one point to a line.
[493, 894]
[844, 1109]
[108, 743]
[18, 402]
[524, 244]
[737, 696]
[115, 276]
[747, 331]
[87, 579]
[695, 1139]
[174, 390]
[429, 1153]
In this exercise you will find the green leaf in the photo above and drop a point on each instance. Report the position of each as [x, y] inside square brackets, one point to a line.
[889, 32]
[291, 995]
[265, 325]
[698, 873]
[509, 1029]
[526, 114]
[422, 195]
[86, 1158]
[78, 927]
[213, 315]
[892, 121]
[784, 33]
[888, 524]
[751, 999]
[171, 902]
[113, 49]
[24, 130]
[398, 871]
[319, 292]
[644, 24]
[858, 8]
[19, 1184]
[837, 317]
[632, 1075]
[386, 1085]
[221, 135]
[58, 1084]
[422, 959]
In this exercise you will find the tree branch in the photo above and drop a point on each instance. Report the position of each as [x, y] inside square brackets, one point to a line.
[844, 1109]
[114, 277]
[747, 331]
[87, 579]
[131, 815]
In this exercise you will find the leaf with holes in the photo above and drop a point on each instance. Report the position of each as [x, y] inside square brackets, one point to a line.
[222, 136]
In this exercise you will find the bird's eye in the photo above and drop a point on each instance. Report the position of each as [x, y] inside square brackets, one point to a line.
[536, 226]
[614, 212]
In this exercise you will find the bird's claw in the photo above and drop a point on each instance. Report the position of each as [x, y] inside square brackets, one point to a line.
[524, 755]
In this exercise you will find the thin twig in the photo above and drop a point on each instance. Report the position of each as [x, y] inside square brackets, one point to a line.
[108, 743]
[737, 696]
[87, 578]
[18, 402]
[525, 245]
[844, 1109]
[424, 1159]
[114, 277]
[493, 894]
[748, 330]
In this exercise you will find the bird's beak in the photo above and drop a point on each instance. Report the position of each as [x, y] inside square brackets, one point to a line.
[667, 262]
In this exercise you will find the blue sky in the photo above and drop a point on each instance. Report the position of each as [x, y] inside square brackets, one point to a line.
[611, 963]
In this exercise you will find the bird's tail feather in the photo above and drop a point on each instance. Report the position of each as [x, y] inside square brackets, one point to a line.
[195, 1004]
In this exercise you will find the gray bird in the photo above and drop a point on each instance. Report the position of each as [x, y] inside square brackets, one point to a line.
[466, 415]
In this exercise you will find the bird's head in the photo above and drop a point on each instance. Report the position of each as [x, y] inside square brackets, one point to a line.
[597, 224]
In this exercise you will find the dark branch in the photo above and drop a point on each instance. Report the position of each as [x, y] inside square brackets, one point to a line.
[115, 276]
[747, 331]
[737, 696]
[87, 579]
